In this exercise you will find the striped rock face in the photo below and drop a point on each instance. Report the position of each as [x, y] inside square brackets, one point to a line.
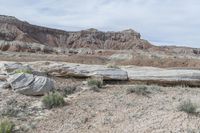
[13, 29]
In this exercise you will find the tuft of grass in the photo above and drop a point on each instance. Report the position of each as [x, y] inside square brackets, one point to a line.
[53, 100]
[6, 126]
[138, 89]
[188, 107]
[69, 90]
[24, 71]
[95, 82]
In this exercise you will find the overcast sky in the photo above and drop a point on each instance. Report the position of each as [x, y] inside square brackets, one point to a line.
[174, 22]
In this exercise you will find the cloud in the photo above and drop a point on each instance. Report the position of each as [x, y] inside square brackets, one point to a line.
[169, 21]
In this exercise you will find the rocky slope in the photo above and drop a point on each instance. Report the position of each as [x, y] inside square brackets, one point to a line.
[14, 30]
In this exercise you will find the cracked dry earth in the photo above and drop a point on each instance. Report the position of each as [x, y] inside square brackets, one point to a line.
[112, 110]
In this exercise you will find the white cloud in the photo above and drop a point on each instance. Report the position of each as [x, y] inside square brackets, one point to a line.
[174, 21]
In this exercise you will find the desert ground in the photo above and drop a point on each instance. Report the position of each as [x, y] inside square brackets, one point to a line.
[91, 81]
[110, 109]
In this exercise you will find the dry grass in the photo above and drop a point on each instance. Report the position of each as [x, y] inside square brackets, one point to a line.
[138, 89]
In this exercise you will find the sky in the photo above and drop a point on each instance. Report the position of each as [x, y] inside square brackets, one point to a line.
[162, 22]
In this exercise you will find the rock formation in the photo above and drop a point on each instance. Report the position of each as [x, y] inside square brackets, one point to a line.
[32, 84]
[20, 36]
[13, 30]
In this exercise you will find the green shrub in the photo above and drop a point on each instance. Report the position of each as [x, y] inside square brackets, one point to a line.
[188, 107]
[23, 71]
[52, 100]
[6, 126]
[95, 82]
[138, 89]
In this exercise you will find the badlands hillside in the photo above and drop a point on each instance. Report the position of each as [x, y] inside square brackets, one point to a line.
[125, 47]
[13, 29]
[90, 81]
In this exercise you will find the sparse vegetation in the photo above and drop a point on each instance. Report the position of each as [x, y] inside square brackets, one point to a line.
[6, 126]
[69, 90]
[10, 111]
[155, 88]
[138, 89]
[188, 107]
[24, 71]
[13, 108]
[193, 130]
[112, 65]
[52, 100]
[95, 82]
[95, 88]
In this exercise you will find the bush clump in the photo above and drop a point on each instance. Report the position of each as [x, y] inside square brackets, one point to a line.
[53, 100]
[188, 107]
[6, 126]
[138, 89]
[95, 82]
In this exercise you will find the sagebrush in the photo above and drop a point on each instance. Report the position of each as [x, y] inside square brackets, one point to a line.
[188, 106]
[95, 82]
[52, 100]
